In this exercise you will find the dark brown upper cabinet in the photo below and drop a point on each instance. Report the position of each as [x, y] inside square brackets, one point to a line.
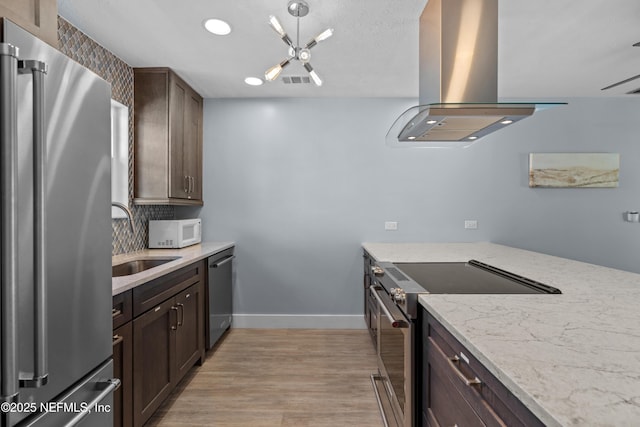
[39, 17]
[168, 139]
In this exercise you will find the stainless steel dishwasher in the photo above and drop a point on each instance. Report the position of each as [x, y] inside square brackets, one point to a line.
[219, 295]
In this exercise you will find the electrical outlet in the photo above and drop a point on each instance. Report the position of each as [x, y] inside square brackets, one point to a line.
[391, 225]
[470, 224]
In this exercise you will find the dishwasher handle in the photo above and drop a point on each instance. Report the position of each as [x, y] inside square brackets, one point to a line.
[223, 262]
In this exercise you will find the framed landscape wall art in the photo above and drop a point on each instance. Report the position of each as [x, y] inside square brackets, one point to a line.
[574, 170]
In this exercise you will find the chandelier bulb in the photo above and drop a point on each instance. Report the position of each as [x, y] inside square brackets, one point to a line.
[272, 73]
[315, 78]
[275, 24]
[324, 35]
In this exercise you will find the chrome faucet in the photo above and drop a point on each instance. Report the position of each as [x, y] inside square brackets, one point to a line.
[127, 211]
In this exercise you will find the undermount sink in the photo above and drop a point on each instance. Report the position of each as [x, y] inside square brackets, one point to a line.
[138, 265]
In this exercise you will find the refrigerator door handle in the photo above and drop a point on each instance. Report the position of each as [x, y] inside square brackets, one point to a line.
[38, 69]
[9, 217]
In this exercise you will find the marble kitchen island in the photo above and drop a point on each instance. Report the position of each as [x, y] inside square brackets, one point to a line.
[572, 359]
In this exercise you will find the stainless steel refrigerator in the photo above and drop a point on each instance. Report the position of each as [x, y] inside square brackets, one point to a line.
[55, 299]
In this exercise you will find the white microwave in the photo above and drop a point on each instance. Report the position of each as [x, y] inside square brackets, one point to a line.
[176, 233]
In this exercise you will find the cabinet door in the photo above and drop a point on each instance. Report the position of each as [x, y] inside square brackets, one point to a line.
[39, 17]
[123, 369]
[178, 179]
[192, 144]
[190, 332]
[168, 139]
[153, 358]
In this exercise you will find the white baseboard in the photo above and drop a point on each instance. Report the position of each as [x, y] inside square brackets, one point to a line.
[298, 321]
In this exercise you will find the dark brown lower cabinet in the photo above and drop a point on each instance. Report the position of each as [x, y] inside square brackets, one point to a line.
[456, 389]
[370, 304]
[123, 369]
[122, 313]
[168, 336]
[153, 359]
[156, 349]
[190, 332]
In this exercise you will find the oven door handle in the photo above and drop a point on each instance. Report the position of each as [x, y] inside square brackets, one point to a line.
[395, 322]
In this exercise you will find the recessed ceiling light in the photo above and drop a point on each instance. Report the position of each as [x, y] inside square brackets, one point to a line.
[506, 122]
[411, 137]
[217, 27]
[253, 81]
[473, 137]
[430, 122]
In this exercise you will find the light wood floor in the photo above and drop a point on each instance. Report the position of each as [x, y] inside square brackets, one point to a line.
[279, 377]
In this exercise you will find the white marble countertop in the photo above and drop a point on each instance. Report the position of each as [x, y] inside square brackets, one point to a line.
[573, 359]
[187, 256]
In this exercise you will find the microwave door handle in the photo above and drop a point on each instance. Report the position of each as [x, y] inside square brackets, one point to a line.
[9, 216]
[37, 70]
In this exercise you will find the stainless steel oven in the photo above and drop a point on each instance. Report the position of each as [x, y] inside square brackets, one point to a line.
[393, 383]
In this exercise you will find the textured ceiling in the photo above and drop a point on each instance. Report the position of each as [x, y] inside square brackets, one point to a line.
[547, 48]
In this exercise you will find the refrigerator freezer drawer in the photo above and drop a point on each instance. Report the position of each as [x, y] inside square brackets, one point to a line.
[88, 403]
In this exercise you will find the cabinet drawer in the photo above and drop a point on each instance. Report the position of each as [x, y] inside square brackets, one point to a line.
[122, 309]
[446, 405]
[149, 295]
[493, 403]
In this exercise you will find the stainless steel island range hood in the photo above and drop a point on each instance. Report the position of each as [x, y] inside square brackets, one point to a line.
[458, 79]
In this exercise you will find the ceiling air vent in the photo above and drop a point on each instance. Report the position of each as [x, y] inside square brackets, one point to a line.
[296, 79]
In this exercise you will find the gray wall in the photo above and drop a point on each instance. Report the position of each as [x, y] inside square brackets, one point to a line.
[300, 183]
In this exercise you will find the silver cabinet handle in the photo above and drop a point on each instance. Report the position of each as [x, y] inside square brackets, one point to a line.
[181, 314]
[454, 362]
[37, 70]
[117, 339]
[173, 328]
[223, 262]
[9, 284]
[112, 384]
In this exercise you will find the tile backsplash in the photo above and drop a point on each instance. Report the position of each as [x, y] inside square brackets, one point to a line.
[78, 46]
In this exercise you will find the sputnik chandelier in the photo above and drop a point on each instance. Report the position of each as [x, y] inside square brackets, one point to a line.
[298, 9]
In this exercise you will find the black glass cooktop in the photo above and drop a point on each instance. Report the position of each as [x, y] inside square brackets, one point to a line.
[471, 277]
